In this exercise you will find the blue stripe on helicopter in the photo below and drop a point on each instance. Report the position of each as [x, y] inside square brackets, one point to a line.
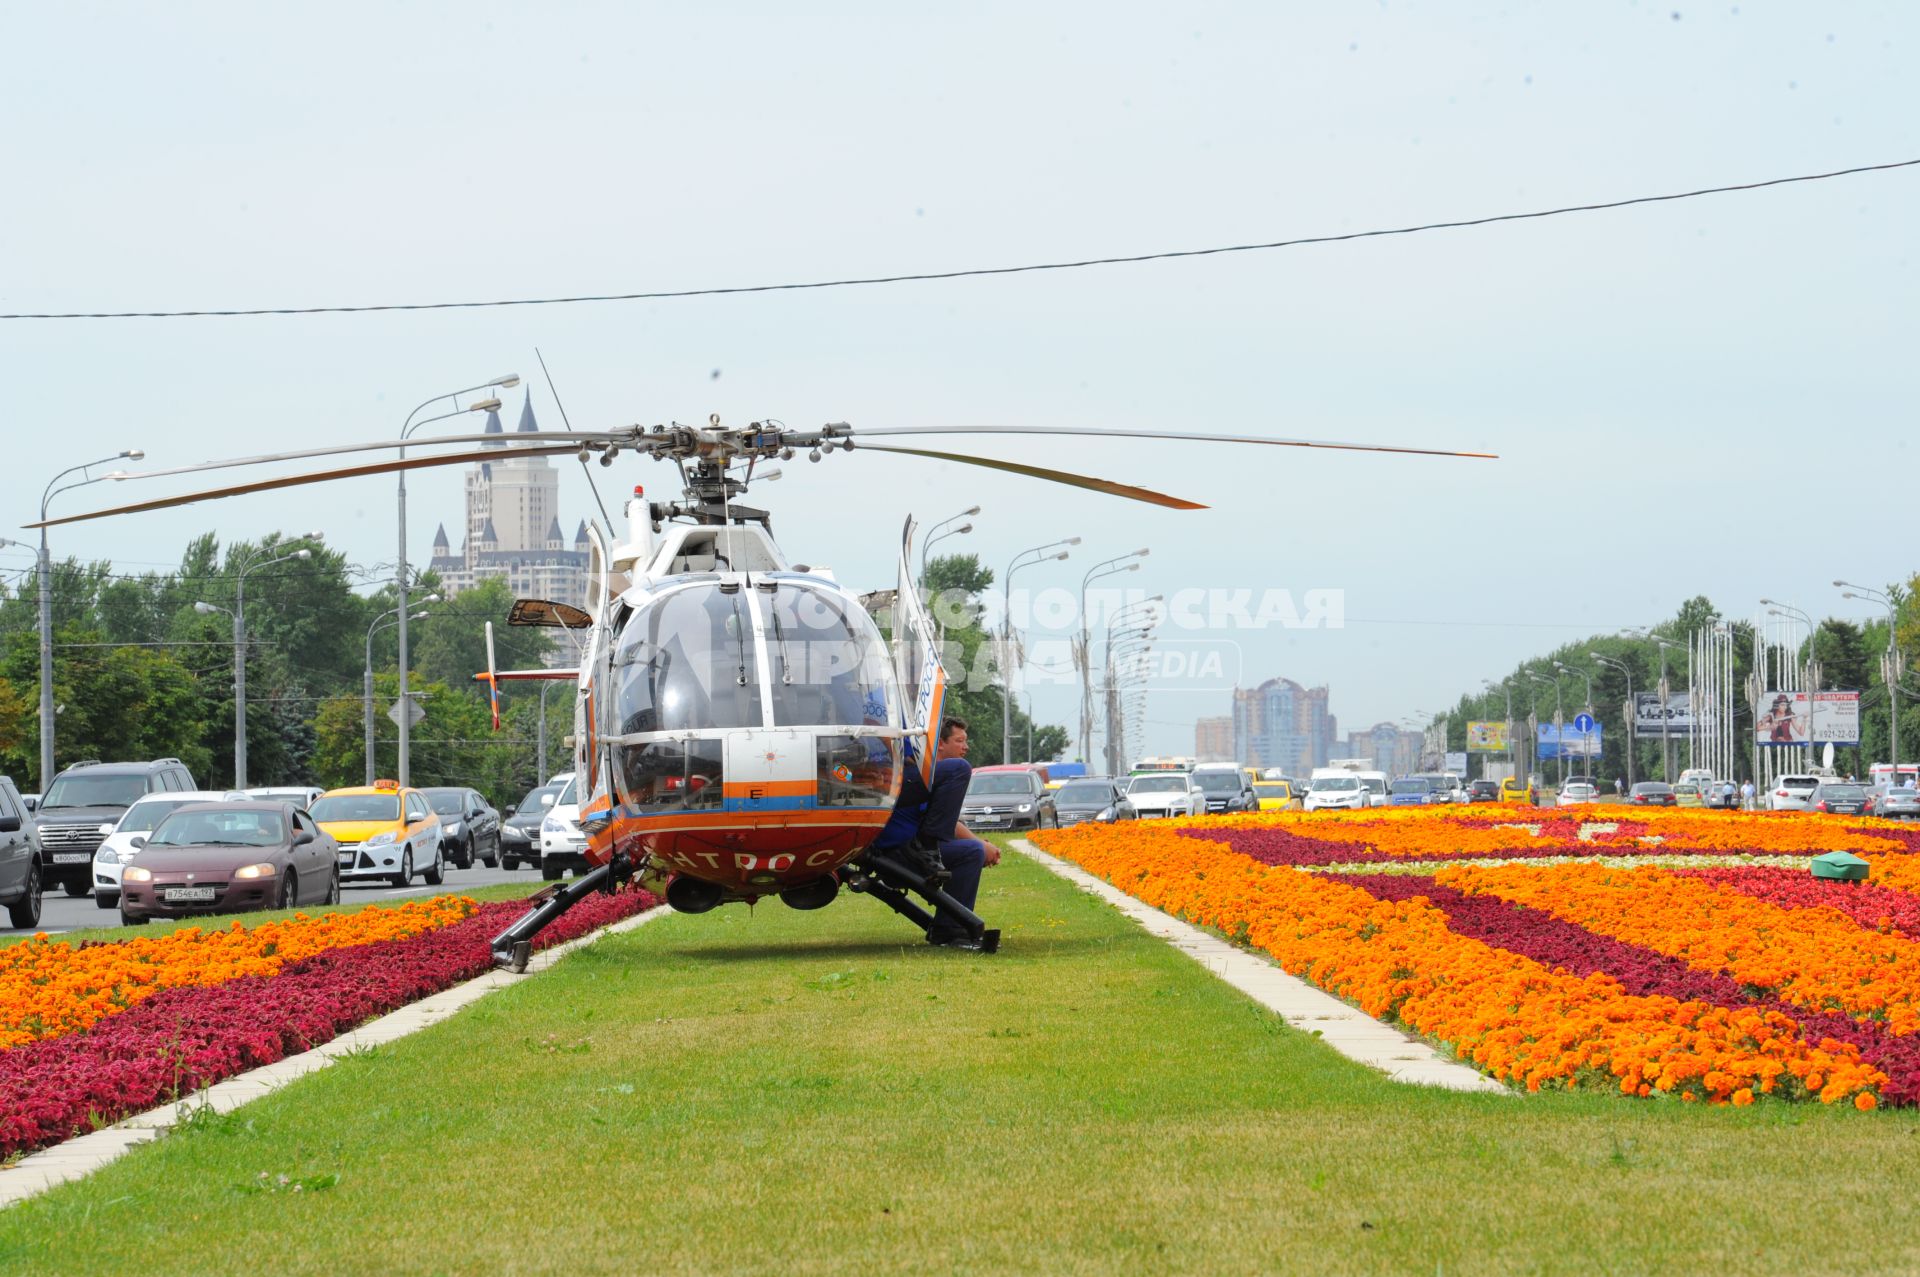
[797, 802]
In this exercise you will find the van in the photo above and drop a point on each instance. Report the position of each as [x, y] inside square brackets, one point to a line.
[1376, 783]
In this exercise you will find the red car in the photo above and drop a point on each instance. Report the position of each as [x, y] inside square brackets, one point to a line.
[1653, 793]
[228, 858]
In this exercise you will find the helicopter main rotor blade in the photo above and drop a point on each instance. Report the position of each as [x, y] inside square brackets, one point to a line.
[1107, 486]
[1084, 432]
[576, 436]
[321, 476]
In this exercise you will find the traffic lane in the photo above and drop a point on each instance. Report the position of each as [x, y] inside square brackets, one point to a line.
[60, 912]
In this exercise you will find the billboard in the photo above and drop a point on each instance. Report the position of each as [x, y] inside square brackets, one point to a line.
[1566, 742]
[1456, 763]
[1646, 714]
[1807, 718]
[1487, 738]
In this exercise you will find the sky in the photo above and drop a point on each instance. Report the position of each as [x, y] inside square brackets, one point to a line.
[1699, 396]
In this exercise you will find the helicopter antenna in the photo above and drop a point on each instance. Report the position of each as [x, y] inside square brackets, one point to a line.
[565, 421]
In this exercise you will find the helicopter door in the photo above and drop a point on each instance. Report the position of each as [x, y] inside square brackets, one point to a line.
[596, 691]
[916, 663]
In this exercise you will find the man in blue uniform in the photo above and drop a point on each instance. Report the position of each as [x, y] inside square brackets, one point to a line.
[929, 817]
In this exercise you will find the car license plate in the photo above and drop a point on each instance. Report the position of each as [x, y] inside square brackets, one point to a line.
[177, 894]
[71, 857]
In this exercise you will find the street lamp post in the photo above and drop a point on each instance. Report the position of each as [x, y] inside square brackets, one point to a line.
[934, 533]
[1110, 693]
[1018, 561]
[400, 569]
[1586, 738]
[239, 615]
[1094, 573]
[46, 601]
[388, 617]
[1626, 670]
[1890, 674]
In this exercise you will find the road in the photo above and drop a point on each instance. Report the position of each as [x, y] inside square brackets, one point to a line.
[61, 912]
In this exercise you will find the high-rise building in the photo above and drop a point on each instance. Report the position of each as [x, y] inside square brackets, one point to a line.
[1392, 750]
[1282, 724]
[513, 527]
[1213, 739]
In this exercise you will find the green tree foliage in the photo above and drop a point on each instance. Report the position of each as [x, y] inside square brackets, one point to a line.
[453, 745]
[114, 703]
[953, 586]
[450, 645]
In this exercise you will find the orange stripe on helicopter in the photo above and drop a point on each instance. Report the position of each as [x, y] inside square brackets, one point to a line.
[749, 820]
[768, 788]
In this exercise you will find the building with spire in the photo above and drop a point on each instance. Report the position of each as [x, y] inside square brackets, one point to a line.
[513, 528]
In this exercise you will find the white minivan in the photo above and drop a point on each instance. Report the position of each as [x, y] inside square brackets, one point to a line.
[563, 844]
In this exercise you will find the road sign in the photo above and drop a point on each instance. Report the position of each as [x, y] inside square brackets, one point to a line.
[415, 713]
[1583, 723]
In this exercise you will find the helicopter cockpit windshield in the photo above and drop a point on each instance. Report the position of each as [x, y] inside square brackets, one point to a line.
[701, 662]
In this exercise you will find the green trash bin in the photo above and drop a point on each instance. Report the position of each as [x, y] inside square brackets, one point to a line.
[1841, 866]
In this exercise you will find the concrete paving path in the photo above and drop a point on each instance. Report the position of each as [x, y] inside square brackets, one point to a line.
[1351, 1032]
[85, 1154]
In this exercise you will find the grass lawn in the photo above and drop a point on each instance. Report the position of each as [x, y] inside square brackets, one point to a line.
[783, 1092]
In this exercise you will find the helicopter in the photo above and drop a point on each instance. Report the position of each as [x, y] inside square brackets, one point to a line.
[742, 725]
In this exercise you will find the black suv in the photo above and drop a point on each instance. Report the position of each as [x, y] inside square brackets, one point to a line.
[19, 859]
[1008, 798]
[85, 802]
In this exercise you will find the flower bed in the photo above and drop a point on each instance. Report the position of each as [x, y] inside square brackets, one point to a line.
[180, 1039]
[50, 987]
[1725, 984]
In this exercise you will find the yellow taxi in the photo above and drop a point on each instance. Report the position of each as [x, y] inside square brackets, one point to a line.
[1276, 795]
[384, 830]
[1517, 791]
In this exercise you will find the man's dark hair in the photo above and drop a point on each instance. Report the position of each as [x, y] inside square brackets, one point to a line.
[950, 725]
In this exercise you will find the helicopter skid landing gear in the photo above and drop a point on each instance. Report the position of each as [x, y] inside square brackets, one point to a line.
[513, 947]
[887, 876]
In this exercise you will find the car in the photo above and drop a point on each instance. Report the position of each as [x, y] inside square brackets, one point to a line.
[1891, 802]
[1276, 795]
[1376, 784]
[1723, 794]
[1226, 787]
[1790, 791]
[1840, 798]
[563, 844]
[1576, 792]
[1092, 798]
[1515, 790]
[1008, 797]
[1411, 791]
[1165, 794]
[1688, 794]
[469, 826]
[84, 803]
[230, 857]
[384, 830]
[140, 819]
[520, 832]
[300, 796]
[1336, 791]
[21, 870]
[1651, 793]
[1483, 791]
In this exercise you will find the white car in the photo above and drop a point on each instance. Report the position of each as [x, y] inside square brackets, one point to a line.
[1791, 791]
[137, 821]
[1377, 787]
[1343, 792]
[1577, 792]
[300, 796]
[1166, 794]
[563, 844]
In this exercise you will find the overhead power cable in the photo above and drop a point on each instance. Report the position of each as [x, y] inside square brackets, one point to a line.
[972, 273]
